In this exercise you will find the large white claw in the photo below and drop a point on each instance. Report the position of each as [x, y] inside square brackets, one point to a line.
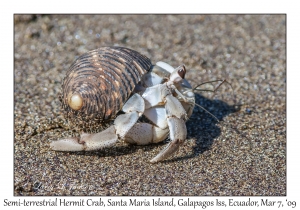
[70, 144]
[87, 142]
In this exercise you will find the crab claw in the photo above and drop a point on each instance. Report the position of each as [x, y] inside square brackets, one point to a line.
[87, 141]
[177, 135]
[69, 144]
[172, 147]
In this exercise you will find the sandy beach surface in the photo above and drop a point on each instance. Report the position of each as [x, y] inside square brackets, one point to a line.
[243, 154]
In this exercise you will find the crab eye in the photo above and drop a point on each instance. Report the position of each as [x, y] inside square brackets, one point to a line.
[182, 72]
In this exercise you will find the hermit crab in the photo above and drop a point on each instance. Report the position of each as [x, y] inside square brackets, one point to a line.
[147, 102]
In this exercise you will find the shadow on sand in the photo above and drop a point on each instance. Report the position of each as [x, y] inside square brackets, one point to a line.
[203, 127]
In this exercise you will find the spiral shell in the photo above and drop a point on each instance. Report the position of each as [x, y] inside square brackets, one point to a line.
[99, 82]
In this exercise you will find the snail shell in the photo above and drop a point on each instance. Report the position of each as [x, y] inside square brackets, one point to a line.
[99, 82]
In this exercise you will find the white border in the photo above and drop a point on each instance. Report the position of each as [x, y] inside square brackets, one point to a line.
[154, 6]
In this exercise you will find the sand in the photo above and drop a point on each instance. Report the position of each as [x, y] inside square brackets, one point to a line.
[243, 154]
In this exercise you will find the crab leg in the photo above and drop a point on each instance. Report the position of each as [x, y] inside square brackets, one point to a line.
[176, 117]
[133, 108]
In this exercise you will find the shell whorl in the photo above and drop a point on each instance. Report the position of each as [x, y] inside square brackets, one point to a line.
[99, 82]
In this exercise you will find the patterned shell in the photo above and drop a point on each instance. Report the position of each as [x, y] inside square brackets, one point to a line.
[100, 81]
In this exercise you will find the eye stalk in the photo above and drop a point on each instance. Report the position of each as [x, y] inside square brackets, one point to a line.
[178, 74]
[181, 71]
